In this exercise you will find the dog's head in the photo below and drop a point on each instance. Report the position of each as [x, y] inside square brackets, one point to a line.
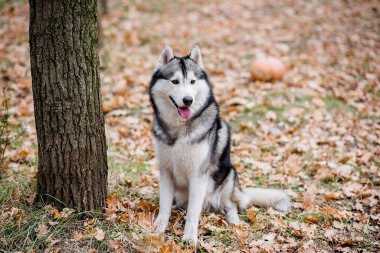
[179, 85]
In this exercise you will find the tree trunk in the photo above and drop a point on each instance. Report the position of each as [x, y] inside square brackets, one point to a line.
[104, 6]
[100, 26]
[72, 166]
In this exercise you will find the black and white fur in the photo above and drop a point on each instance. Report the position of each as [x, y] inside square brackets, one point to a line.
[193, 154]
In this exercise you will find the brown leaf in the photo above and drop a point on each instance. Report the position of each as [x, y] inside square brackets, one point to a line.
[241, 233]
[116, 245]
[324, 173]
[330, 234]
[41, 231]
[77, 236]
[149, 243]
[124, 217]
[66, 212]
[145, 219]
[147, 206]
[52, 250]
[333, 196]
[63, 215]
[20, 155]
[311, 219]
[50, 241]
[332, 212]
[112, 202]
[209, 246]
[298, 234]
[167, 248]
[308, 199]
[251, 214]
[24, 108]
[99, 234]
[293, 165]
[318, 102]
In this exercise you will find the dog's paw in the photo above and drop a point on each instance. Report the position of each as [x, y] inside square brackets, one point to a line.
[190, 237]
[190, 233]
[284, 205]
[159, 225]
[232, 217]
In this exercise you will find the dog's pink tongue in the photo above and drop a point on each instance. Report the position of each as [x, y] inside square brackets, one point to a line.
[184, 112]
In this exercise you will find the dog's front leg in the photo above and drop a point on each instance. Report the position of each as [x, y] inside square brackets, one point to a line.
[166, 201]
[197, 192]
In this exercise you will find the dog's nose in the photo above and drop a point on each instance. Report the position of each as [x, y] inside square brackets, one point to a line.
[187, 100]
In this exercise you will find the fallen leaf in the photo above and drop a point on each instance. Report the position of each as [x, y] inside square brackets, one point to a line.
[312, 219]
[99, 234]
[318, 102]
[308, 199]
[298, 234]
[293, 165]
[77, 236]
[20, 155]
[251, 214]
[41, 231]
[332, 196]
[241, 233]
[330, 234]
[149, 243]
[116, 245]
[147, 206]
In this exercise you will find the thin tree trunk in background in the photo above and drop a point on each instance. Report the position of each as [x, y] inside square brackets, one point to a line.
[72, 166]
[100, 26]
[102, 10]
[104, 6]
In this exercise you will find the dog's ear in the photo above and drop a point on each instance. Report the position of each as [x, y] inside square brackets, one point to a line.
[195, 55]
[165, 56]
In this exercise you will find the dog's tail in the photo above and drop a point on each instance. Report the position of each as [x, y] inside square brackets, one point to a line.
[263, 198]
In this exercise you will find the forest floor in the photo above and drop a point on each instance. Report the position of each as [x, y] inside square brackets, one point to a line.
[316, 133]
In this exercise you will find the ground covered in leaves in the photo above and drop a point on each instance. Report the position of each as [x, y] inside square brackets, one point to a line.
[315, 133]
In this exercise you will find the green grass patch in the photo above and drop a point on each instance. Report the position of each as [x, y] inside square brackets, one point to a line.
[268, 149]
[4, 3]
[21, 231]
[14, 187]
[259, 111]
[333, 103]
[133, 170]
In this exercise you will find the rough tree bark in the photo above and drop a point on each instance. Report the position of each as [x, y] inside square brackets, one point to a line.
[72, 166]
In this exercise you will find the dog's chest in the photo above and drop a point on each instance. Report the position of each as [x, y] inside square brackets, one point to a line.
[183, 159]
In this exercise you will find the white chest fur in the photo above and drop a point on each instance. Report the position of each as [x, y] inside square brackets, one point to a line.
[183, 159]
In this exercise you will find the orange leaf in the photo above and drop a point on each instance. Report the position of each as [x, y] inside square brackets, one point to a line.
[147, 206]
[20, 155]
[332, 196]
[241, 233]
[297, 233]
[251, 214]
[311, 219]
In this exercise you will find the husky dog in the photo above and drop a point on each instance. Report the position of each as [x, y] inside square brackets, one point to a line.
[192, 146]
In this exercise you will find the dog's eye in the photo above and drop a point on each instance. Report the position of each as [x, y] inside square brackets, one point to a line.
[192, 81]
[175, 81]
